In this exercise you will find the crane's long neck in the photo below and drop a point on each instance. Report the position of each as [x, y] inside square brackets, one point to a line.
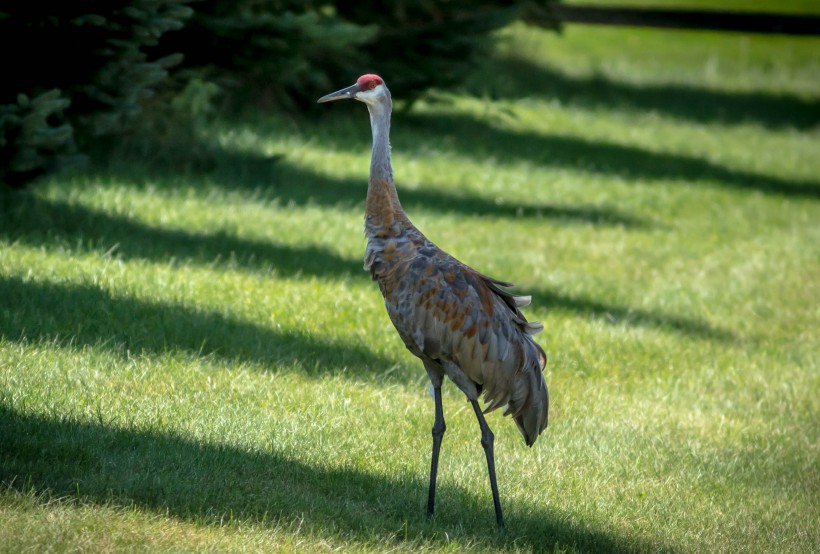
[382, 209]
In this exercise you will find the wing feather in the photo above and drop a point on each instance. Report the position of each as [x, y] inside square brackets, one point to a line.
[472, 327]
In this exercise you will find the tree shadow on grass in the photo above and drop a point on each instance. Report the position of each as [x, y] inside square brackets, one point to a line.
[614, 314]
[325, 190]
[628, 162]
[211, 484]
[41, 222]
[35, 221]
[514, 77]
[85, 315]
[275, 177]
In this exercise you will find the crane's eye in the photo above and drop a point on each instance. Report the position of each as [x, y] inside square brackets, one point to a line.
[371, 84]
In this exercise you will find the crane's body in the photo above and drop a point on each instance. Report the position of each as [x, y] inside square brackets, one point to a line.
[460, 323]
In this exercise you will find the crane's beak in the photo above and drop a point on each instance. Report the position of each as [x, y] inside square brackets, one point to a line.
[345, 93]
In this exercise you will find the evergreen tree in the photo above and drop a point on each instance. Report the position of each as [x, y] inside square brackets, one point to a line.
[292, 52]
[284, 51]
[75, 70]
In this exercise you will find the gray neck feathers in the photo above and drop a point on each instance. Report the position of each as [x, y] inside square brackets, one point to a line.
[380, 168]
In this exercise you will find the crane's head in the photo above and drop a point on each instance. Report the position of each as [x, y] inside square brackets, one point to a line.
[369, 89]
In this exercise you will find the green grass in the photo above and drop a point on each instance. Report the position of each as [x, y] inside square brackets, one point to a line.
[802, 7]
[191, 358]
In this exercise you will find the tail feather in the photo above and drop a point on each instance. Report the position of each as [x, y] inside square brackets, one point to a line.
[529, 403]
[533, 420]
[533, 327]
[527, 398]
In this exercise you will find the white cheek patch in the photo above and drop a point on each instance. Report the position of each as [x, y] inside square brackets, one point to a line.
[369, 95]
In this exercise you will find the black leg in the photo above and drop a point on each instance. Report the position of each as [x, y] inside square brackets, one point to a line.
[438, 432]
[487, 440]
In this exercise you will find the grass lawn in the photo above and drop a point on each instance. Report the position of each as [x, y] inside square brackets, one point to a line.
[804, 7]
[192, 359]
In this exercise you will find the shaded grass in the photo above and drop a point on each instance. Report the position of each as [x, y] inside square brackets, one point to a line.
[627, 162]
[38, 221]
[88, 315]
[610, 313]
[717, 65]
[215, 484]
[521, 78]
[274, 177]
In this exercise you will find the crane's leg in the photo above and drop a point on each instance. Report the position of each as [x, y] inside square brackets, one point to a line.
[438, 433]
[487, 440]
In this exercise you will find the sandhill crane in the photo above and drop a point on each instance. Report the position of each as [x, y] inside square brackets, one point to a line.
[460, 323]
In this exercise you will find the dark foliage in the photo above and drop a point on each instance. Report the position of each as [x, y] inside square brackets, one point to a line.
[268, 52]
[75, 70]
[292, 52]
